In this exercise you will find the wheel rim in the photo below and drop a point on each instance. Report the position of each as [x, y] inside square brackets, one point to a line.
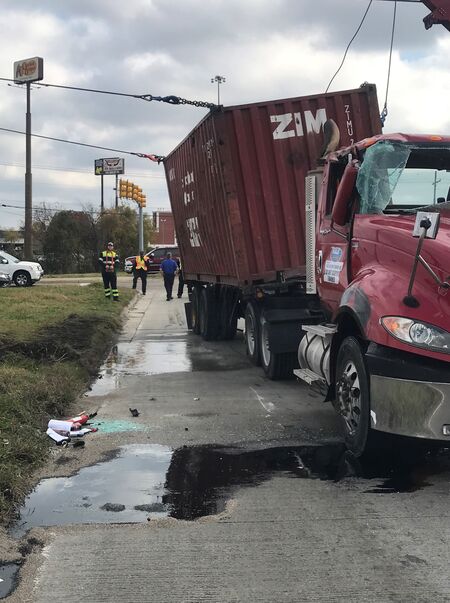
[349, 396]
[250, 334]
[265, 350]
[21, 280]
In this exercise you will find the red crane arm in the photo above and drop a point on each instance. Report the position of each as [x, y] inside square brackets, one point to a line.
[440, 13]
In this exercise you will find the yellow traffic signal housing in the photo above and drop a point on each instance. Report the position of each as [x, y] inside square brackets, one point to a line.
[129, 190]
[123, 188]
[135, 193]
[143, 200]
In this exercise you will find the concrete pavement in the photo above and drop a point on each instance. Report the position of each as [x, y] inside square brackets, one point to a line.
[281, 535]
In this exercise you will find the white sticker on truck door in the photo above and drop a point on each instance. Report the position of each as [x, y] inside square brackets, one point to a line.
[332, 271]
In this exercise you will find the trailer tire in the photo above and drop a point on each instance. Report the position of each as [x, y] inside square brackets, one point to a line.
[252, 333]
[195, 309]
[353, 397]
[209, 326]
[275, 366]
[227, 314]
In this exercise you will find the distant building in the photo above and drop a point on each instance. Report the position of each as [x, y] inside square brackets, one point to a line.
[10, 244]
[164, 228]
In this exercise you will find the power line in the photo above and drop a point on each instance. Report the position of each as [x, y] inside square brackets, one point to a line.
[75, 171]
[152, 157]
[349, 44]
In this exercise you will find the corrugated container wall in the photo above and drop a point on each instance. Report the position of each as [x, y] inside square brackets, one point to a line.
[236, 183]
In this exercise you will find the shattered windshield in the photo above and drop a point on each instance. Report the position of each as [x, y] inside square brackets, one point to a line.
[396, 176]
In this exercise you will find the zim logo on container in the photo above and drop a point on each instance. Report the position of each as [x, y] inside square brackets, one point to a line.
[291, 124]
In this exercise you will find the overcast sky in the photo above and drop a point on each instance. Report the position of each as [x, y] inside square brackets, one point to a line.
[266, 49]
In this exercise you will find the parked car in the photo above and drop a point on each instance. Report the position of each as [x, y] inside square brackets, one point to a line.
[155, 256]
[22, 272]
[5, 280]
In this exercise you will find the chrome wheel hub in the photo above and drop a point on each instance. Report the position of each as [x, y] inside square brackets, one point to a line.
[250, 334]
[349, 396]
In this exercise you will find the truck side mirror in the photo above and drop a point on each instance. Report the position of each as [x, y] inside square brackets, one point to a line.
[339, 212]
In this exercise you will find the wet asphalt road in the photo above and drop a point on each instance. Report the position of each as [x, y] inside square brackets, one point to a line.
[227, 488]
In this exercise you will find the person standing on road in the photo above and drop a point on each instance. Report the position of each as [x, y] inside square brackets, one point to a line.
[180, 279]
[169, 268]
[141, 267]
[109, 260]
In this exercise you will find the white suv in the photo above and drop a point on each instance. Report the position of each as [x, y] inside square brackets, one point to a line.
[23, 273]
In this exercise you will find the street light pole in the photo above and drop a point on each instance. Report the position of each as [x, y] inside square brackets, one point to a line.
[220, 80]
[28, 235]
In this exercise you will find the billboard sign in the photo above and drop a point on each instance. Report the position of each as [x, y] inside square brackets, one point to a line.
[29, 70]
[108, 167]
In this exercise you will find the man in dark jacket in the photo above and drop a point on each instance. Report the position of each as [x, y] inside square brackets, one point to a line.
[141, 267]
[109, 260]
[169, 268]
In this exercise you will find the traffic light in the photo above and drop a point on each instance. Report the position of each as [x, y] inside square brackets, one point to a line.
[129, 190]
[135, 194]
[123, 188]
[143, 202]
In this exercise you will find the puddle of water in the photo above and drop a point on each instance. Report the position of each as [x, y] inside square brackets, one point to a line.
[156, 357]
[192, 482]
[8, 578]
[135, 477]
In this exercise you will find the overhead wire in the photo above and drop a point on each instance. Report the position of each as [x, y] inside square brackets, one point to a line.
[384, 112]
[350, 43]
[152, 157]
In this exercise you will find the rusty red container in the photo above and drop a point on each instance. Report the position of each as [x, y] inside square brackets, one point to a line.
[237, 183]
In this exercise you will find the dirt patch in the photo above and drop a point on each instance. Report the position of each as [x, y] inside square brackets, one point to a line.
[77, 338]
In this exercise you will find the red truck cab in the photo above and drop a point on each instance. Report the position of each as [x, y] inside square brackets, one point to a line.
[381, 273]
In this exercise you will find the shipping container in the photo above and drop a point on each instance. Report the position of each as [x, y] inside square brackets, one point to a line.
[237, 183]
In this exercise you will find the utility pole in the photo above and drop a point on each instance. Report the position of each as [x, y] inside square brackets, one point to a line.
[141, 229]
[25, 72]
[220, 80]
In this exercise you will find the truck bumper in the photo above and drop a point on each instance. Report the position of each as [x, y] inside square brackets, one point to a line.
[409, 394]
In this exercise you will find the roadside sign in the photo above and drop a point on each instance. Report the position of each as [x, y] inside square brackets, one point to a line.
[108, 167]
[29, 70]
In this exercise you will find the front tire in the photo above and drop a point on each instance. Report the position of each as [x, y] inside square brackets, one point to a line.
[353, 396]
[22, 279]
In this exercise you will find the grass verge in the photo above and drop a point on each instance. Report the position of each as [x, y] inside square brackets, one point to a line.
[51, 343]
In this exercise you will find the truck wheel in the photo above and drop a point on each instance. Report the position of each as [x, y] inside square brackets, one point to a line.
[275, 366]
[195, 309]
[227, 314]
[252, 333]
[207, 314]
[353, 397]
[22, 279]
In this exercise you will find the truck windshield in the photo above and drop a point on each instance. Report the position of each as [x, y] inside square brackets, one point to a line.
[397, 177]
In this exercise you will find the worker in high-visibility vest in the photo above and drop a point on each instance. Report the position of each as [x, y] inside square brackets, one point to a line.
[141, 267]
[109, 261]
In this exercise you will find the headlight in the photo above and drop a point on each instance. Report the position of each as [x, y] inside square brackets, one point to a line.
[417, 333]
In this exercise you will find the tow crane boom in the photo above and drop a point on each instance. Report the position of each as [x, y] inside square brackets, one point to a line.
[440, 13]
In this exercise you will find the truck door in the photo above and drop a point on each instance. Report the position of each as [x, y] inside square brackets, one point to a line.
[332, 243]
